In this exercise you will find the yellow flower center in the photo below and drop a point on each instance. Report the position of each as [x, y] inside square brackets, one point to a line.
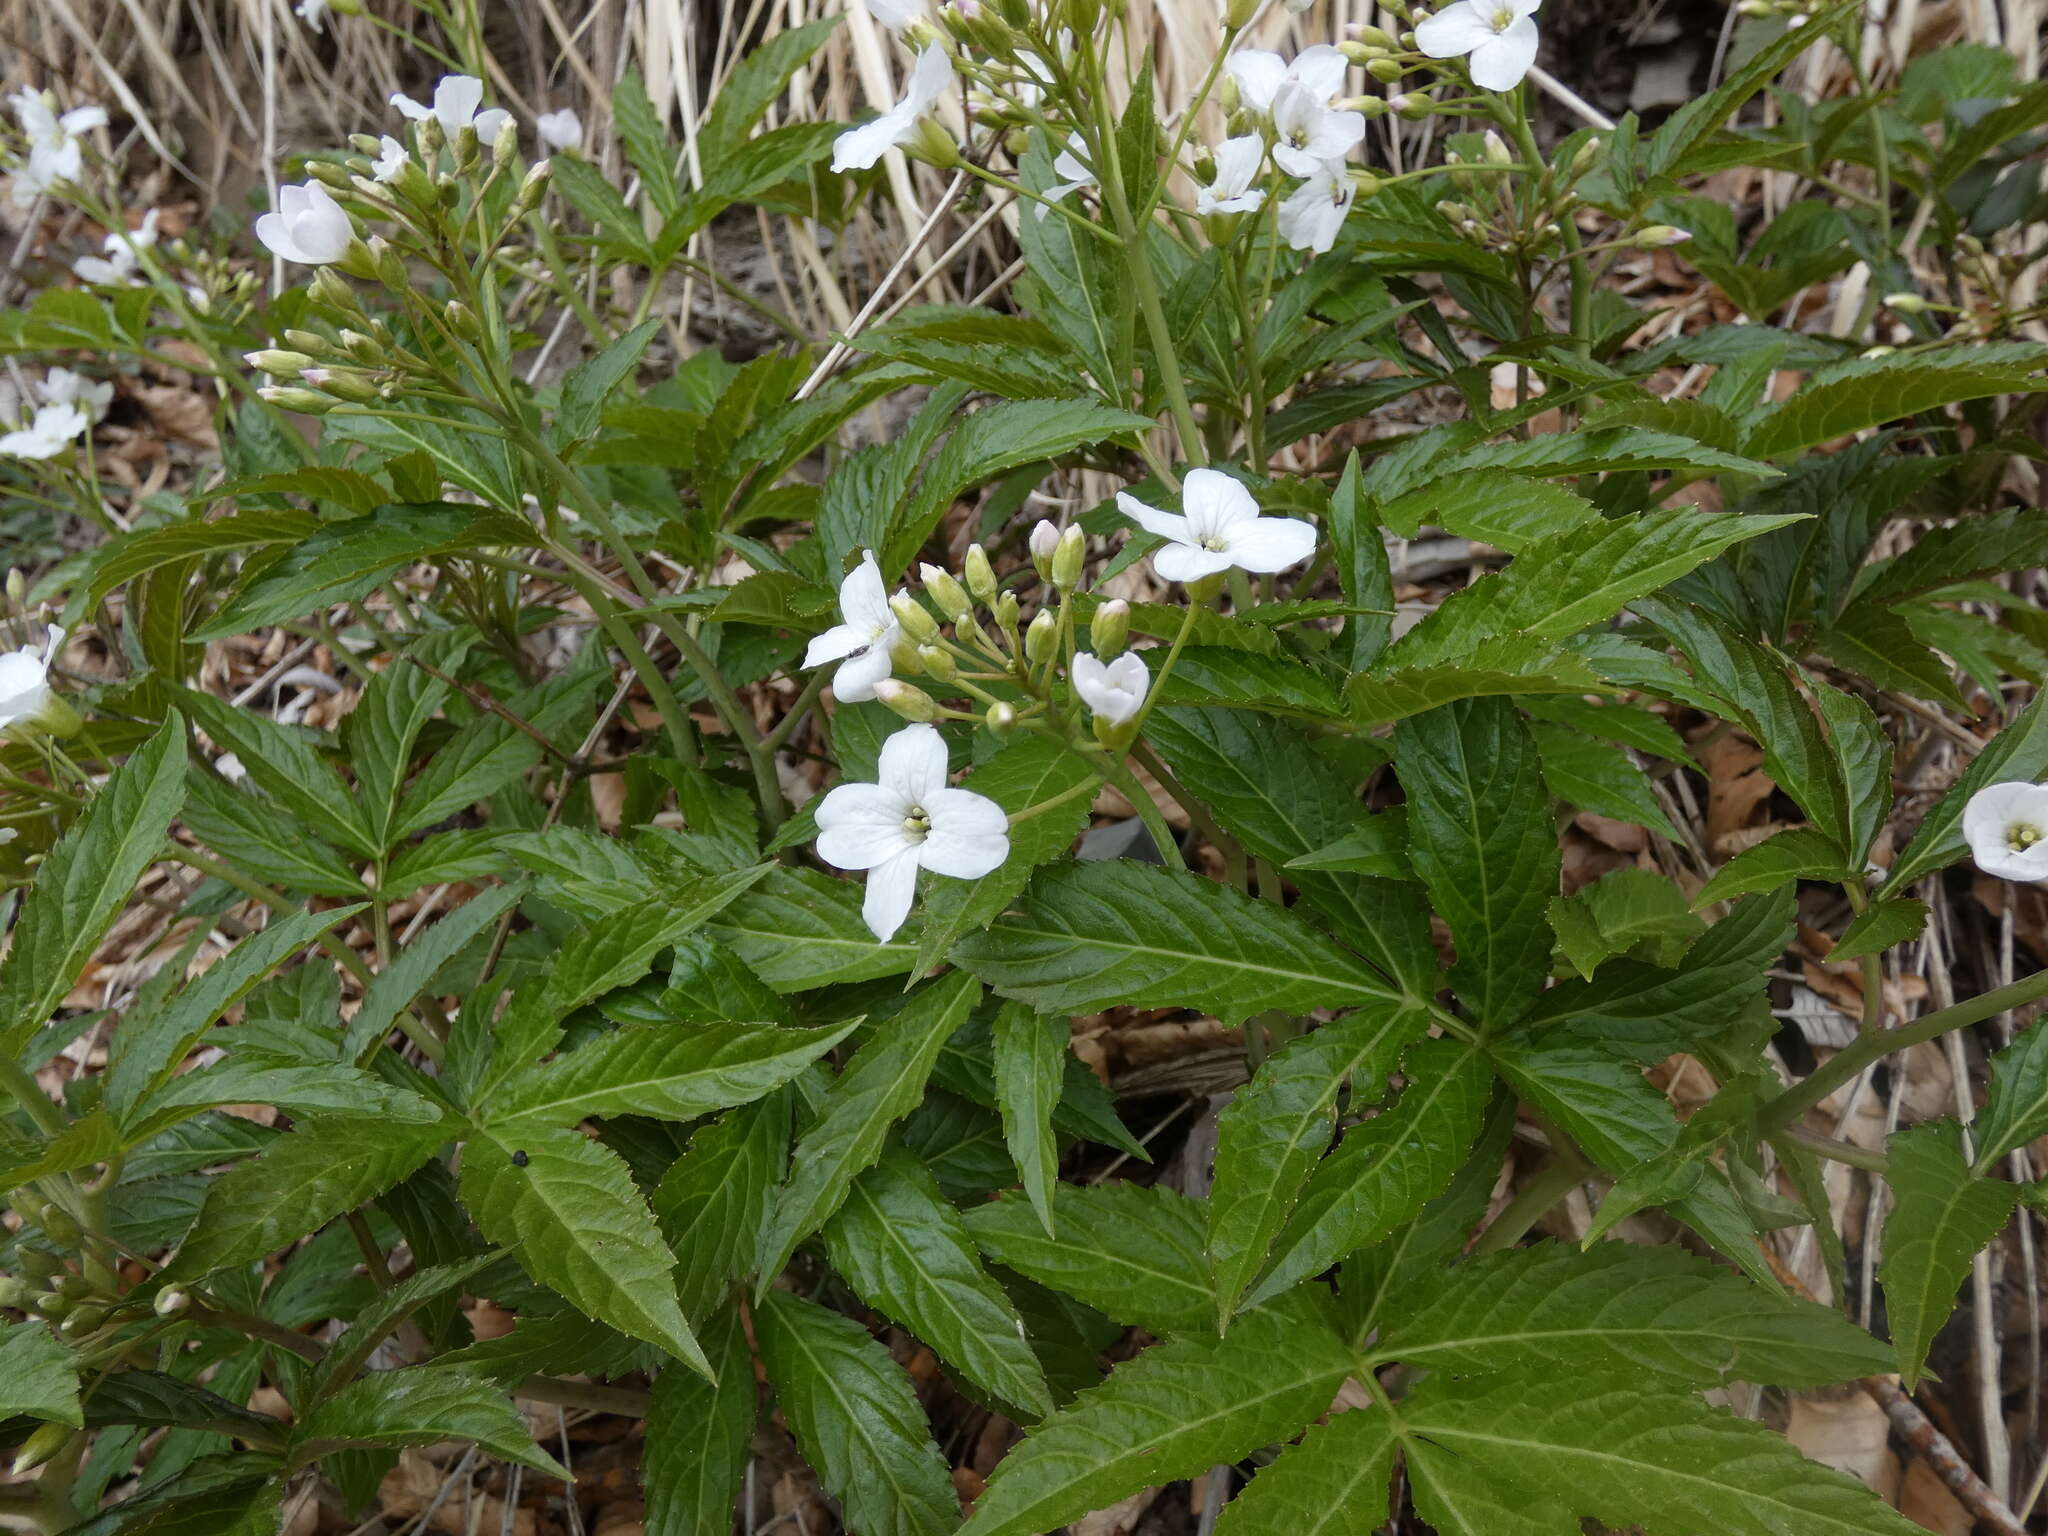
[2021, 836]
[917, 826]
[1503, 18]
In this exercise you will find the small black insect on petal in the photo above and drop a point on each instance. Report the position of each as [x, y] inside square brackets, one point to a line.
[519, 1159]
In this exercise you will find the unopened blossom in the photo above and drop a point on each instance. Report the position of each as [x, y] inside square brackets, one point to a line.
[2006, 826]
[1261, 75]
[1220, 527]
[1044, 540]
[119, 265]
[307, 226]
[25, 694]
[864, 636]
[1306, 132]
[1497, 39]
[63, 387]
[858, 148]
[910, 819]
[54, 152]
[456, 100]
[1072, 173]
[1237, 166]
[1315, 210]
[54, 428]
[1113, 690]
[391, 160]
[561, 129]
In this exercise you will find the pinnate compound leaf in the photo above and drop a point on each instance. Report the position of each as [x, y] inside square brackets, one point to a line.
[1096, 935]
[1624, 1456]
[568, 1208]
[1031, 1063]
[1336, 1482]
[2020, 751]
[1131, 1251]
[1174, 1411]
[1942, 1214]
[1280, 1124]
[420, 1406]
[38, 1375]
[87, 879]
[907, 1254]
[1655, 1310]
[284, 762]
[697, 1433]
[855, 1419]
[2016, 1108]
[883, 1082]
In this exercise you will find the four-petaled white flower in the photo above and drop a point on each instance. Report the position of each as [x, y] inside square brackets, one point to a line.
[1113, 690]
[63, 387]
[1072, 171]
[307, 226]
[858, 148]
[863, 638]
[25, 680]
[1261, 75]
[55, 427]
[561, 129]
[456, 99]
[910, 820]
[54, 153]
[1498, 35]
[1237, 167]
[119, 265]
[391, 159]
[2006, 826]
[1315, 210]
[1306, 133]
[1222, 528]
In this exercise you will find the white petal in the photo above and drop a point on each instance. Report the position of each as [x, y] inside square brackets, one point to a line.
[858, 148]
[860, 826]
[1297, 162]
[1152, 520]
[1992, 812]
[970, 834]
[1499, 65]
[1091, 680]
[892, 887]
[1320, 68]
[489, 122]
[854, 682]
[913, 763]
[1337, 134]
[1237, 165]
[1523, 8]
[928, 81]
[1258, 75]
[83, 119]
[1184, 562]
[1455, 29]
[1215, 503]
[410, 108]
[456, 98]
[863, 599]
[23, 681]
[1271, 544]
[836, 644]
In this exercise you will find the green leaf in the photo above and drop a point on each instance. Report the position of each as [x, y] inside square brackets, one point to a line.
[881, 1084]
[296, 1185]
[2016, 1108]
[1134, 1252]
[644, 132]
[1031, 1059]
[709, 1203]
[756, 81]
[40, 1375]
[851, 1409]
[85, 882]
[1481, 838]
[660, 1071]
[2020, 751]
[1882, 924]
[568, 1208]
[1659, 1311]
[2013, 539]
[1362, 570]
[697, 1437]
[134, 555]
[370, 1327]
[592, 382]
[1379, 847]
[262, 839]
[1278, 1127]
[1497, 667]
[1670, 151]
[419, 1406]
[1174, 1411]
[1336, 1482]
[906, 1253]
[1385, 1169]
[285, 763]
[344, 560]
[1510, 512]
[1942, 1214]
[1799, 853]
[1623, 910]
[1594, 776]
[799, 929]
[387, 720]
[1865, 392]
[1095, 935]
[1609, 1449]
[1880, 645]
[395, 987]
[311, 1088]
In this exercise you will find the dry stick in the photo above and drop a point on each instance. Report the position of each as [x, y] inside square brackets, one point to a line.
[1934, 1448]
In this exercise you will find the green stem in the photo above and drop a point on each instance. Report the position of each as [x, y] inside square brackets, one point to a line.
[1550, 1184]
[29, 1094]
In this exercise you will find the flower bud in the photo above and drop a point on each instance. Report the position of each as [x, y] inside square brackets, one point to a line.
[951, 597]
[1657, 237]
[1112, 734]
[311, 342]
[1872, 354]
[390, 266]
[13, 1293]
[1069, 558]
[367, 350]
[462, 321]
[1238, 12]
[1906, 303]
[1109, 631]
[917, 622]
[904, 658]
[534, 187]
[1588, 155]
[1007, 613]
[1371, 108]
[364, 143]
[933, 145]
[1497, 151]
[981, 576]
[37, 1263]
[292, 398]
[906, 699]
[329, 289]
[1045, 538]
[939, 662]
[506, 142]
[279, 364]
[1386, 71]
[84, 1320]
[344, 384]
[53, 1304]
[1377, 37]
[170, 1303]
[1001, 719]
[39, 1447]
[329, 174]
[1360, 52]
[77, 1287]
[1038, 639]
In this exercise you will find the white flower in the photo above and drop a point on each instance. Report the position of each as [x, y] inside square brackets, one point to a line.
[1113, 690]
[1222, 528]
[56, 427]
[911, 820]
[1315, 210]
[1260, 75]
[63, 387]
[1237, 167]
[1306, 132]
[1073, 173]
[307, 226]
[2006, 826]
[862, 640]
[313, 13]
[560, 130]
[896, 14]
[25, 680]
[119, 265]
[54, 153]
[391, 159]
[858, 148]
[456, 99]
[1499, 35]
